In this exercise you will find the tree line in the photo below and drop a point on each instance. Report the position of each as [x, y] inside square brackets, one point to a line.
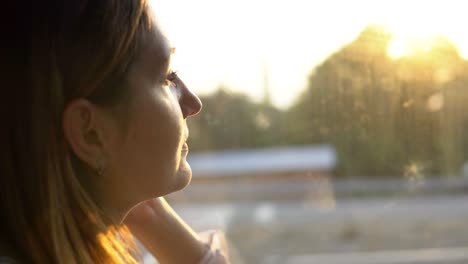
[384, 116]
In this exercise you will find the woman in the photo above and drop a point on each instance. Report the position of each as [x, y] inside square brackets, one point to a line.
[96, 132]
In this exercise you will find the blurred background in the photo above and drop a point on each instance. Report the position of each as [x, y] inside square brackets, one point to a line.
[331, 131]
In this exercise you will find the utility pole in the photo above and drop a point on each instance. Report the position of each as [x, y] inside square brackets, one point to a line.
[266, 83]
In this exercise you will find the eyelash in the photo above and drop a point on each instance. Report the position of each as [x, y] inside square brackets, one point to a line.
[170, 78]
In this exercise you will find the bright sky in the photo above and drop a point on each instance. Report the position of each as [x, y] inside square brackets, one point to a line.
[229, 42]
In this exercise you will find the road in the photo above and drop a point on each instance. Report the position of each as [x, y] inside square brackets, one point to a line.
[416, 256]
[396, 229]
[219, 215]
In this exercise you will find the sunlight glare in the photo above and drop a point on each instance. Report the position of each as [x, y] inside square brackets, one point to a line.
[224, 42]
[402, 47]
[397, 48]
[417, 22]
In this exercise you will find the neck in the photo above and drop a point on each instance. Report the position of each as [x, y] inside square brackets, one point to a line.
[111, 208]
[108, 201]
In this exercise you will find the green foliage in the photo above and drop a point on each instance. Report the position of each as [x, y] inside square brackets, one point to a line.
[384, 116]
[231, 121]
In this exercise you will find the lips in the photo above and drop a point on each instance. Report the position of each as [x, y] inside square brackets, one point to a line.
[185, 147]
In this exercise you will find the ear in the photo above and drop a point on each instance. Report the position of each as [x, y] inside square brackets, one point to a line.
[82, 127]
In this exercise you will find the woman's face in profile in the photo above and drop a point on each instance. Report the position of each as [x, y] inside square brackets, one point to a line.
[151, 159]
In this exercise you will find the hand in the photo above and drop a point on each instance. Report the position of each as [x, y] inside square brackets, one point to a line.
[147, 210]
[163, 233]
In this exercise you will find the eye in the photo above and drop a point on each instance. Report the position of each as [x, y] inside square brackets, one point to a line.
[171, 78]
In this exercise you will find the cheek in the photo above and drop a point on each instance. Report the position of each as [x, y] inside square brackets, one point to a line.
[155, 138]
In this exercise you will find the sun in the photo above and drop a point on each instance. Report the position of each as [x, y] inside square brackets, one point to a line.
[414, 37]
[400, 47]
[415, 25]
[397, 48]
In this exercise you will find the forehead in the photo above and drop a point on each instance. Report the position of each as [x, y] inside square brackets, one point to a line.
[155, 53]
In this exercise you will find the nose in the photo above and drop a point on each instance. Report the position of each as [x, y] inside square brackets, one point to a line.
[189, 101]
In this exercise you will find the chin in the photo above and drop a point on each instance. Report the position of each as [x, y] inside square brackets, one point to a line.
[183, 178]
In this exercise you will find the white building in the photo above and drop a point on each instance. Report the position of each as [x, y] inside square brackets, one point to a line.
[259, 163]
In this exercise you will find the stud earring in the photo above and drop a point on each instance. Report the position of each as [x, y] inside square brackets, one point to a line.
[101, 167]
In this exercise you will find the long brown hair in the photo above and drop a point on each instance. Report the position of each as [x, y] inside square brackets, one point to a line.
[77, 48]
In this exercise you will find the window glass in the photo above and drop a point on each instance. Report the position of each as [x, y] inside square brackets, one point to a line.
[331, 131]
